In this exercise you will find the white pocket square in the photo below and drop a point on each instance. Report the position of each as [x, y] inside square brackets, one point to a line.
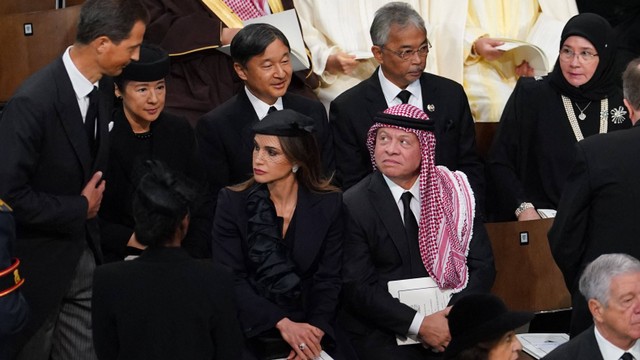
[110, 126]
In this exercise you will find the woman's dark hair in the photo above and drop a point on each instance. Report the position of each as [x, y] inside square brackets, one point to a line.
[160, 203]
[303, 151]
[253, 40]
[111, 18]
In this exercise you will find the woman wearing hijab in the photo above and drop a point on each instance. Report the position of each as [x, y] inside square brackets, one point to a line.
[164, 304]
[142, 131]
[482, 328]
[281, 235]
[546, 116]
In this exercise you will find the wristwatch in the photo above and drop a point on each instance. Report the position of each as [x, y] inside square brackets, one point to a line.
[524, 206]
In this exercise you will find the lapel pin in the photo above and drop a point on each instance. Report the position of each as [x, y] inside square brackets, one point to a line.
[110, 125]
[431, 107]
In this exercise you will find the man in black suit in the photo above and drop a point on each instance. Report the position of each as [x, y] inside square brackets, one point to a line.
[262, 59]
[409, 219]
[400, 45]
[596, 213]
[53, 144]
[612, 284]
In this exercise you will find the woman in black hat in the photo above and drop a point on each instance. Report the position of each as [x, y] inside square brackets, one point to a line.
[140, 131]
[546, 116]
[482, 328]
[164, 304]
[281, 234]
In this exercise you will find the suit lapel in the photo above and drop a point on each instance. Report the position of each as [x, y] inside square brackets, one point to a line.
[104, 118]
[388, 212]
[374, 96]
[246, 117]
[311, 228]
[71, 118]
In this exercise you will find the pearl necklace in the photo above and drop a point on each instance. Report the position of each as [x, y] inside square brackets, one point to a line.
[568, 108]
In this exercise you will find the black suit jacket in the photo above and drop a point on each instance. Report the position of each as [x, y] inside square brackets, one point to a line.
[376, 252]
[164, 305]
[46, 162]
[316, 251]
[583, 346]
[225, 138]
[596, 214]
[351, 115]
[172, 142]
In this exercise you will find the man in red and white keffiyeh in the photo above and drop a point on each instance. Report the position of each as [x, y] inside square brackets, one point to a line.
[446, 220]
[408, 219]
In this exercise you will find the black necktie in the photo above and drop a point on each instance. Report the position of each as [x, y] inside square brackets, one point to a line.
[404, 96]
[92, 114]
[626, 356]
[411, 230]
[271, 109]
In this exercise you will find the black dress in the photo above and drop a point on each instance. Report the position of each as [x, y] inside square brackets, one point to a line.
[298, 276]
[170, 140]
[535, 145]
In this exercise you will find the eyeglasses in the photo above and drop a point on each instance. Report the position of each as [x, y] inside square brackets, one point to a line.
[405, 55]
[584, 56]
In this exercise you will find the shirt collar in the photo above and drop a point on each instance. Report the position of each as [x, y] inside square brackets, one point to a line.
[612, 352]
[390, 90]
[260, 107]
[397, 190]
[81, 85]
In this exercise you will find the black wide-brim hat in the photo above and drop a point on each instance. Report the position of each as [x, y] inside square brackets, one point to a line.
[479, 318]
[285, 122]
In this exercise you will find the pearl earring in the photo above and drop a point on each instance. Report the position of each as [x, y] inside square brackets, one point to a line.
[295, 168]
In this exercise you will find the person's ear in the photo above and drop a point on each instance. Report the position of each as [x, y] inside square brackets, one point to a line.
[240, 70]
[632, 111]
[116, 91]
[101, 44]
[596, 309]
[377, 53]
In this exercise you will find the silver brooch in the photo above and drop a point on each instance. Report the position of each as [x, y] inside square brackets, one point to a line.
[431, 107]
[617, 115]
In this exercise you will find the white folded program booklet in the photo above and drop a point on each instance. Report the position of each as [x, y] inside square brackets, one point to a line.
[539, 345]
[423, 295]
[287, 22]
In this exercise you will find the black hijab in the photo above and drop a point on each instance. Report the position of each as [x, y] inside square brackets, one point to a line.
[596, 30]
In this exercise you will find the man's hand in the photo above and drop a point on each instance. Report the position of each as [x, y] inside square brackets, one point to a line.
[93, 193]
[525, 69]
[297, 334]
[486, 47]
[434, 330]
[341, 63]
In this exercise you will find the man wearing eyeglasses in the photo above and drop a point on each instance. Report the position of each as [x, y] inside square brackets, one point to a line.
[401, 47]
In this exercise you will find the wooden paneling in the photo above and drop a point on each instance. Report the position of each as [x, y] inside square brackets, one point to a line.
[23, 6]
[53, 31]
[484, 137]
[527, 277]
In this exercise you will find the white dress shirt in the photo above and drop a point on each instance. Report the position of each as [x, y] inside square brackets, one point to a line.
[260, 107]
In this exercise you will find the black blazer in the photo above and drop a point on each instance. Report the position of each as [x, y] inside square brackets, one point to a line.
[376, 252]
[164, 305]
[173, 142]
[583, 346]
[317, 253]
[351, 115]
[46, 162]
[225, 138]
[596, 214]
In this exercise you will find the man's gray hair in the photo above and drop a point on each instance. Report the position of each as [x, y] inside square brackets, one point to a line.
[631, 83]
[597, 276]
[393, 13]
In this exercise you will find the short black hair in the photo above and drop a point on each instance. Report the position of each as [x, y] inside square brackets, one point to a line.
[631, 83]
[253, 40]
[111, 18]
[161, 201]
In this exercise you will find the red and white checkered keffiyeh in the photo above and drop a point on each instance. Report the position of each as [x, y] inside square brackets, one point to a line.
[447, 206]
[248, 9]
